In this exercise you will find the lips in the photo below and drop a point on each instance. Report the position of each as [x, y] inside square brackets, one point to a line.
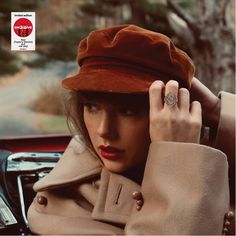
[109, 152]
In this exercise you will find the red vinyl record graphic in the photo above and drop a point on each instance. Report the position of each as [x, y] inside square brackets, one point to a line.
[23, 27]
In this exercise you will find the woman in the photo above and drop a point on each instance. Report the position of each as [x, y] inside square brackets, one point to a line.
[139, 167]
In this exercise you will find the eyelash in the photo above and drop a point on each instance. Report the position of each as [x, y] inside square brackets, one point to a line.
[125, 111]
[92, 107]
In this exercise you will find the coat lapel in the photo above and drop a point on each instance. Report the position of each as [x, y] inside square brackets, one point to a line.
[76, 165]
[114, 202]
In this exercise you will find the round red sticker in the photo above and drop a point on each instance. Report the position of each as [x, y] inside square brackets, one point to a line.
[23, 27]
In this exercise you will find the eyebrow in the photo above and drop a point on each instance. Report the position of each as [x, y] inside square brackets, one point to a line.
[137, 103]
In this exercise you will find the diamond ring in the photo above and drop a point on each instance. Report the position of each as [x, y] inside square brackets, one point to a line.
[171, 99]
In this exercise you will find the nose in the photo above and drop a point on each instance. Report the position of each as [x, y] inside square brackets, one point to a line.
[107, 127]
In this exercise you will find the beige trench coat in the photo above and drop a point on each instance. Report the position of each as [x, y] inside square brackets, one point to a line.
[184, 191]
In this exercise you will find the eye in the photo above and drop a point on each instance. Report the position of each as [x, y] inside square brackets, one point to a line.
[92, 107]
[127, 111]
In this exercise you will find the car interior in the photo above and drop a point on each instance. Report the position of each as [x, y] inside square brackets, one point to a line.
[23, 161]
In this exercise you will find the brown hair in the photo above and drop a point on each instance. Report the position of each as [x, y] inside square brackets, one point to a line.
[75, 117]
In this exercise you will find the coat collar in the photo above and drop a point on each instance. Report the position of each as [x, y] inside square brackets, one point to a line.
[76, 165]
[114, 201]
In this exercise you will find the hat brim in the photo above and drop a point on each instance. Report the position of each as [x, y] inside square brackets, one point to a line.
[111, 81]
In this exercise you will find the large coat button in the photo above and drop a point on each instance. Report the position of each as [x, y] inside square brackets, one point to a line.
[229, 216]
[136, 195]
[42, 200]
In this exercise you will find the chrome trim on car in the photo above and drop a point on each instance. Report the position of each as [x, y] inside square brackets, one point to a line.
[21, 196]
[32, 161]
[26, 165]
[6, 216]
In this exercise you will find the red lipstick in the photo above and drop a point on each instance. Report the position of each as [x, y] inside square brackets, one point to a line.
[109, 152]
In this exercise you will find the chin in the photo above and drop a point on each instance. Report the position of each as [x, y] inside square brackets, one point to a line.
[116, 168]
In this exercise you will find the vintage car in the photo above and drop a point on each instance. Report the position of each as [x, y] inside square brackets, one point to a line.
[24, 160]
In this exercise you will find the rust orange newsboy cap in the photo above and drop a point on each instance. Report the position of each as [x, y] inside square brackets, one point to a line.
[127, 59]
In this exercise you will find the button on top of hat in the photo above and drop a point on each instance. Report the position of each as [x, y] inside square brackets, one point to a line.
[42, 200]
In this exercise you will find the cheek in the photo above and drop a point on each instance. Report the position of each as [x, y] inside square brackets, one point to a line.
[90, 125]
[137, 142]
[138, 135]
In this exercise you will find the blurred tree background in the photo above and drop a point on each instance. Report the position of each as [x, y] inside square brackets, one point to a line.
[9, 62]
[203, 28]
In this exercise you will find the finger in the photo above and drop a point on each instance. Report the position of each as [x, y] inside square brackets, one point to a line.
[155, 95]
[196, 110]
[184, 99]
[199, 91]
[171, 89]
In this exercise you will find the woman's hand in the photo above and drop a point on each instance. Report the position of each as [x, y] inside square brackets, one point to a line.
[210, 103]
[177, 123]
